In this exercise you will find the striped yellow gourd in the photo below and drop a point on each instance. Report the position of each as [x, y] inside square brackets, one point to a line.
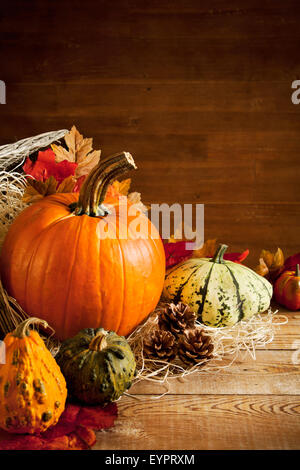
[221, 292]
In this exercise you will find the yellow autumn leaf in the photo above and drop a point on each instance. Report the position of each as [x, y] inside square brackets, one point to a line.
[61, 154]
[278, 260]
[31, 195]
[122, 187]
[67, 185]
[208, 249]
[36, 190]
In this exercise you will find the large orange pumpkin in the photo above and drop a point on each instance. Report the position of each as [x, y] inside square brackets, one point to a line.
[57, 266]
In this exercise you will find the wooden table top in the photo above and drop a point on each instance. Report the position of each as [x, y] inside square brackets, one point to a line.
[255, 404]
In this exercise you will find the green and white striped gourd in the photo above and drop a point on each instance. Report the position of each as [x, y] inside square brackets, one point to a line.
[221, 292]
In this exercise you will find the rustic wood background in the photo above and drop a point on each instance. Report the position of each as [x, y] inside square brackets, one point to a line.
[198, 91]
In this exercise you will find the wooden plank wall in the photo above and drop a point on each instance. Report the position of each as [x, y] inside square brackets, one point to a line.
[198, 91]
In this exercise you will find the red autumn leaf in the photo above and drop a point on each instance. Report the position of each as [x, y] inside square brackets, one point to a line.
[46, 166]
[19, 442]
[86, 435]
[74, 430]
[66, 424]
[176, 253]
[81, 439]
[236, 257]
[97, 417]
[291, 262]
[68, 442]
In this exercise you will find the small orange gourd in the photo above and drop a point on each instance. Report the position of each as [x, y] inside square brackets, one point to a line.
[287, 289]
[32, 388]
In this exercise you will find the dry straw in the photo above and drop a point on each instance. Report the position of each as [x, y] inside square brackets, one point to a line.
[12, 183]
[11, 315]
[13, 155]
[230, 343]
[12, 186]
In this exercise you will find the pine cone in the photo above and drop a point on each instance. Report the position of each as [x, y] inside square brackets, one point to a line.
[176, 318]
[160, 345]
[195, 346]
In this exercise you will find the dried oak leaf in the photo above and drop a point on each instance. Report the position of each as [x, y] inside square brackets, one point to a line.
[36, 190]
[80, 151]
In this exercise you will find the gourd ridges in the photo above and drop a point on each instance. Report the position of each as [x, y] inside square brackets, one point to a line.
[245, 287]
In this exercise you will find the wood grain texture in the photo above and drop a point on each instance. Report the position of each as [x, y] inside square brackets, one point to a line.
[272, 372]
[206, 422]
[254, 404]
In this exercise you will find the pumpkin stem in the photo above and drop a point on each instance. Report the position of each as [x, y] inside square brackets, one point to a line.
[23, 329]
[93, 191]
[99, 342]
[297, 271]
[218, 257]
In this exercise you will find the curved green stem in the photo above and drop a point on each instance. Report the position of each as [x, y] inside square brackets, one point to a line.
[218, 257]
[23, 329]
[93, 191]
[99, 342]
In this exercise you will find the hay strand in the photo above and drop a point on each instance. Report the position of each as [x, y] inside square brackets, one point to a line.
[12, 186]
[12, 183]
[230, 343]
[13, 155]
[11, 315]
